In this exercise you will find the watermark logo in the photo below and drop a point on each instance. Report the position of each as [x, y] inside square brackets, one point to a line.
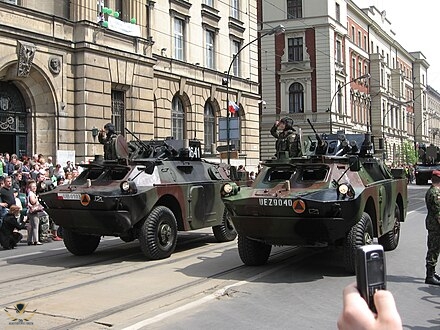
[21, 315]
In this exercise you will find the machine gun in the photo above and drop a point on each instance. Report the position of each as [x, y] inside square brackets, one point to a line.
[321, 148]
[145, 148]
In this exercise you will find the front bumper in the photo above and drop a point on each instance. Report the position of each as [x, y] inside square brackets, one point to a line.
[292, 231]
[93, 222]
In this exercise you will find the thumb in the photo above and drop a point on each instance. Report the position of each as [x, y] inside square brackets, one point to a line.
[386, 306]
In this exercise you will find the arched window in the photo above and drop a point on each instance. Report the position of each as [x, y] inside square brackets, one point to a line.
[209, 127]
[177, 119]
[296, 98]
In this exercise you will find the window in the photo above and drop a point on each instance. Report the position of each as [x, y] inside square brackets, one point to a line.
[177, 119]
[296, 98]
[353, 68]
[294, 9]
[359, 69]
[338, 52]
[359, 39]
[295, 49]
[352, 35]
[118, 111]
[209, 3]
[235, 10]
[340, 98]
[209, 126]
[236, 65]
[179, 26]
[365, 43]
[210, 51]
[338, 12]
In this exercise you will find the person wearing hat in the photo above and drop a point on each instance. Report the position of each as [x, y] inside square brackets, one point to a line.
[432, 223]
[287, 139]
[107, 137]
[8, 236]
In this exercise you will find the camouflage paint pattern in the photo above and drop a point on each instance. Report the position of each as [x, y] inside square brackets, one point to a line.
[295, 201]
[167, 173]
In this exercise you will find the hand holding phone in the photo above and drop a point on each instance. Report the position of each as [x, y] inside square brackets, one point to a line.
[370, 272]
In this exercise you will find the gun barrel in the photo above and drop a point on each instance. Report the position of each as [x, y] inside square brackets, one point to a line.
[146, 147]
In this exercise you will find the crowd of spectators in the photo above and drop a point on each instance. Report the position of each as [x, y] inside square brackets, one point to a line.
[24, 176]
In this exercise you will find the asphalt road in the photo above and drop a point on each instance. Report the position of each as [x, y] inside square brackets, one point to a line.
[205, 285]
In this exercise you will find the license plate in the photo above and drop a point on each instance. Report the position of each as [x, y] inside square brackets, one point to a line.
[74, 197]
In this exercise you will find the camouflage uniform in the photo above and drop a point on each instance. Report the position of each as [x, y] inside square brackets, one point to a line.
[287, 140]
[432, 199]
[108, 141]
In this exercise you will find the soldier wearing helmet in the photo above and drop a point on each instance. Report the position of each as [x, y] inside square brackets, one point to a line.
[107, 137]
[287, 139]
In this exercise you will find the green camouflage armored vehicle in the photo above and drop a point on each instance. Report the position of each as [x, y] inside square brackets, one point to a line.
[337, 194]
[429, 160]
[149, 192]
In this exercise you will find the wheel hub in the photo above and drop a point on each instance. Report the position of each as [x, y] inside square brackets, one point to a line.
[164, 233]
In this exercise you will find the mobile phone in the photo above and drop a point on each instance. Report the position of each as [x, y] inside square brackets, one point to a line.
[370, 272]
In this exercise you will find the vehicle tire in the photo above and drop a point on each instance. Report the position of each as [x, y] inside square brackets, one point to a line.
[360, 234]
[79, 244]
[253, 253]
[226, 231]
[390, 240]
[158, 235]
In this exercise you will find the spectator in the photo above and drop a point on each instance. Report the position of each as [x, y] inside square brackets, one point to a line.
[2, 165]
[252, 175]
[50, 166]
[3, 209]
[11, 164]
[58, 172]
[69, 167]
[7, 193]
[35, 171]
[8, 236]
[34, 207]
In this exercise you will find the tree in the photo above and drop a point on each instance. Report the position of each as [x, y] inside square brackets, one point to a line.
[409, 153]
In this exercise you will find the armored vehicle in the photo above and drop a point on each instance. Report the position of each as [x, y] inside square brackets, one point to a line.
[337, 194]
[149, 192]
[429, 160]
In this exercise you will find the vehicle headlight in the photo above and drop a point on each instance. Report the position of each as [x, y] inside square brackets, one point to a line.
[227, 188]
[346, 189]
[125, 186]
[128, 187]
[343, 189]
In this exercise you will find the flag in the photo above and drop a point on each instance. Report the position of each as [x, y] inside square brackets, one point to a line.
[233, 107]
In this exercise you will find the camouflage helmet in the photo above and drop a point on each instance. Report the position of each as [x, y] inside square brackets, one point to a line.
[288, 122]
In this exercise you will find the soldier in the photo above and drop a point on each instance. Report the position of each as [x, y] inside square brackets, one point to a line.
[287, 139]
[432, 199]
[106, 137]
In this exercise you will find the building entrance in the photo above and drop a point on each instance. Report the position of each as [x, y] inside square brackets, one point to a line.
[13, 120]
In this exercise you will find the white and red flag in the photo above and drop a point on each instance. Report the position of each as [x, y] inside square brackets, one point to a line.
[233, 107]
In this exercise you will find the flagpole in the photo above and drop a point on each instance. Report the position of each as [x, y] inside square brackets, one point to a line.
[277, 30]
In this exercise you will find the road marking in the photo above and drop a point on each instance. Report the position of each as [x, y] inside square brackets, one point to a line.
[418, 209]
[219, 293]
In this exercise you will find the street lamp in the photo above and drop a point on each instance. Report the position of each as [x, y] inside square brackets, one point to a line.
[276, 30]
[329, 110]
[415, 132]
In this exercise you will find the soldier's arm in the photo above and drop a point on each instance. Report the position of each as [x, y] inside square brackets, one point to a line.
[274, 131]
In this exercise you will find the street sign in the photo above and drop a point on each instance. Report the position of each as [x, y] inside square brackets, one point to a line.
[225, 148]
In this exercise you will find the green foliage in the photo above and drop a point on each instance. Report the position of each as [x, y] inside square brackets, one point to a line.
[409, 154]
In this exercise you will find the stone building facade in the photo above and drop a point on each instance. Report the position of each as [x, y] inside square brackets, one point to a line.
[157, 68]
[343, 68]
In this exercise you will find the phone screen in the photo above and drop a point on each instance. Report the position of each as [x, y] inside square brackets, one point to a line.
[375, 271]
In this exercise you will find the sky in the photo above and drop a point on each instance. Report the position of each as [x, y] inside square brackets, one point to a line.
[416, 25]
